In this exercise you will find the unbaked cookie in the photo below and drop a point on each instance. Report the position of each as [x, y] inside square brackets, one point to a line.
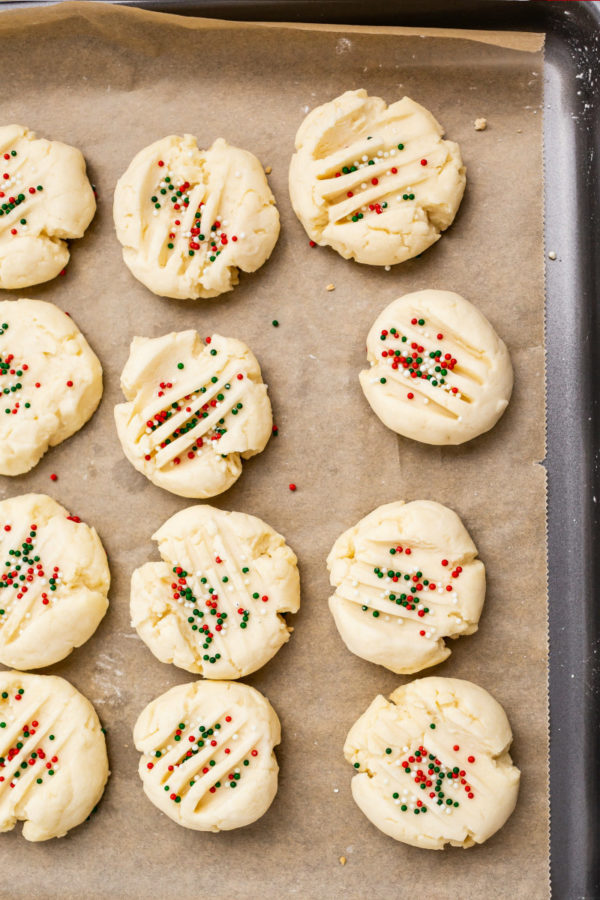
[195, 409]
[213, 605]
[53, 762]
[208, 759]
[432, 764]
[50, 381]
[189, 219]
[439, 372]
[405, 577]
[45, 198]
[375, 182]
[53, 583]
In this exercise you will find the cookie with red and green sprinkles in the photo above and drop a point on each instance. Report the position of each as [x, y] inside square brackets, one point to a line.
[195, 409]
[45, 199]
[376, 183]
[207, 754]
[432, 764]
[54, 581]
[214, 605]
[190, 220]
[438, 372]
[53, 761]
[50, 381]
[406, 578]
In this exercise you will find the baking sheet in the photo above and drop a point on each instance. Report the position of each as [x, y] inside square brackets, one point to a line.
[116, 79]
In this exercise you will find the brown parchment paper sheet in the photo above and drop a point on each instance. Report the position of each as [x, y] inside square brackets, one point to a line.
[112, 80]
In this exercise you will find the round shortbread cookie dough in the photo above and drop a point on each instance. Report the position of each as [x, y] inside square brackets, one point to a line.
[195, 409]
[53, 583]
[45, 199]
[438, 373]
[50, 381]
[405, 577]
[213, 604]
[208, 759]
[433, 766]
[53, 762]
[375, 182]
[189, 219]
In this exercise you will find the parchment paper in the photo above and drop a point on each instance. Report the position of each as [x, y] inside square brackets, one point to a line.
[111, 80]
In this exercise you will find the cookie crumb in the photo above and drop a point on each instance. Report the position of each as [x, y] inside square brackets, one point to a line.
[342, 860]
[330, 287]
[268, 170]
[552, 255]
[480, 124]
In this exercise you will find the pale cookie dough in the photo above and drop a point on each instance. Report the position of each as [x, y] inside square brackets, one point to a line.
[45, 199]
[195, 409]
[439, 372]
[54, 581]
[208, 759]
[432, 764]
[405, 577]
[53, 762]
[50, 381]
[189, 219]
[375, 182]
[213, 605]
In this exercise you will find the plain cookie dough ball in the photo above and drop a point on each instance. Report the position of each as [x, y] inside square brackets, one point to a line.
[45, 199]
[405, 577]
[375, 182]
[195, 409]
[439, 372]
[189, 219]
[50, 381]
[432, 764]
[53, 762]
[213, 604]
[208, 759]
[54, 582]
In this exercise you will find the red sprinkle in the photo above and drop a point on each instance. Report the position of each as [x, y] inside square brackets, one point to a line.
[292, 487]
[54, 477]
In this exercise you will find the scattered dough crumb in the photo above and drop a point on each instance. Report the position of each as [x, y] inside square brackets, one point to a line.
[342, 860]
[480, 124]
[552, 255]
[330, 287]
[268, 170]
[519, 131]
